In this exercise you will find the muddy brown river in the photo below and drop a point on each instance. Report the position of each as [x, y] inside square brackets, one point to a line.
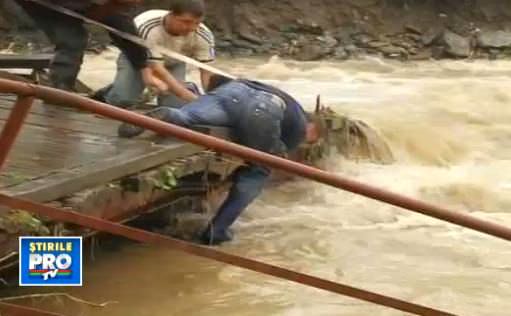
[448, 124]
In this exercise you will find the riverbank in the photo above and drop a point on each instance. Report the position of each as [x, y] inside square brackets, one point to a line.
[338, 30]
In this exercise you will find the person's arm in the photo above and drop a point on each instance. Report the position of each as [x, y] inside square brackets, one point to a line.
[205, 76]
[136, 54]
[205, 52]
[174, 85]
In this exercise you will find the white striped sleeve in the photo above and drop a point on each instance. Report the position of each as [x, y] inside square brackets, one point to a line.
[205, 48]
[149, 32]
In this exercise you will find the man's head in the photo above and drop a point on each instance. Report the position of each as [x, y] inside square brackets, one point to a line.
[184, 17]
[216, 81]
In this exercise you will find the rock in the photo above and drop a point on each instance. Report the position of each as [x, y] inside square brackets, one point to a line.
[413, 29]
[351, 49]
[425, 54]
[242, 51]
[312, 51]
[250, 38]
[456, 45]
[309, 27]
[430, 37]
[403, 44]
[362, 39]
[493, 54]
[223, 44]
[393, 51]
[240, 43]
[414, 37]
[438, 52]
[341, 53]
[328, 41]
[498, 39]
[377, 44]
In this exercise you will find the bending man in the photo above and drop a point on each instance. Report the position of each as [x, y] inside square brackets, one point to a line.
[261, 116]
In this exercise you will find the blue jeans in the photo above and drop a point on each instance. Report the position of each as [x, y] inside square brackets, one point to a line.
[128, 86]
[255, 117]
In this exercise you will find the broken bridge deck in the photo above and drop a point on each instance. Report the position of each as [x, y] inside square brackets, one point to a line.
[61, 151]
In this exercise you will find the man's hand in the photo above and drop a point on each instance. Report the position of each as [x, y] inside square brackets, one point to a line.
[173, 85]
[152, 82]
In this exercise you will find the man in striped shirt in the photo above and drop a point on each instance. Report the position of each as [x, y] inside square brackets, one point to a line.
[178, 29]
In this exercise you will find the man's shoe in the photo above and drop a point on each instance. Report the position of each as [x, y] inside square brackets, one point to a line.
[100, 94]
[217, 238]
[127, 130]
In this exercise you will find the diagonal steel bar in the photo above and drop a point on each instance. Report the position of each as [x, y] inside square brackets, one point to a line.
[214, 254]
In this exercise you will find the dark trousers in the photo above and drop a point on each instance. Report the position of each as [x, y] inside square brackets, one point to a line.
[70, 38]
[255, 117]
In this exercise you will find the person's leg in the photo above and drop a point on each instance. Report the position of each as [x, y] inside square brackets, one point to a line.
[258, 127]
[248, 182]
[179, 72]
[128, 86]
[207, 110]
[69, 36]
[70, 43]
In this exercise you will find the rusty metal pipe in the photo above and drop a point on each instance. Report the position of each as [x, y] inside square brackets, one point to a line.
[13, 126]
[163, 128]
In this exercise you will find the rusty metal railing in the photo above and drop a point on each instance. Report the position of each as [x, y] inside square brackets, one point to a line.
[27, 92]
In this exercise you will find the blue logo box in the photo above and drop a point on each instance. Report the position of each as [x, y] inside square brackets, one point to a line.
[50, 261]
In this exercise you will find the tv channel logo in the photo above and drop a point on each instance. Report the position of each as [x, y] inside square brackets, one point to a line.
[50, 261]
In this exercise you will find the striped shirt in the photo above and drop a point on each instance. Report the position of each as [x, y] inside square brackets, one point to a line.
[199, 45]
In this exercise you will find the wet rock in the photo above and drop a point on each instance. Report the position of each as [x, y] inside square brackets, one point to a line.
[311, 52]
[340, 53]
[413, 29]
[377, 44]
[456, 45]
[363, 39]
[250, 38]
[393, 51]
[498, 39]
[240, 43]
[243, 52]
[308, 27]
[493, 54]
[223, 44]
[424, 54]
[430, 37]
[403, 44]
[328, 41]
[414, 37]
[438, 52]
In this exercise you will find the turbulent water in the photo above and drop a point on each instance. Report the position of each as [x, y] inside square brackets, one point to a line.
[449, 127]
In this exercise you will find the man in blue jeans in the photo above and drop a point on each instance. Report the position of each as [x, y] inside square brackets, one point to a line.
[262, 117]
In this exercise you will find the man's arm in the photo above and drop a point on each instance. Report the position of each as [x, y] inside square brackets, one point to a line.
[205, 52]
[136, 54]
[174, 85]
[205, 76]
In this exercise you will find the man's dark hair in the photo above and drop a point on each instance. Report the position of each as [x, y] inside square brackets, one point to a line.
[196, 8]
[216, 81]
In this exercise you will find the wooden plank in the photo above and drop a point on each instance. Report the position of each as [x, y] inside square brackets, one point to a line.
[62, 123]
[69, 181]
[37, 61]
[61, 151]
